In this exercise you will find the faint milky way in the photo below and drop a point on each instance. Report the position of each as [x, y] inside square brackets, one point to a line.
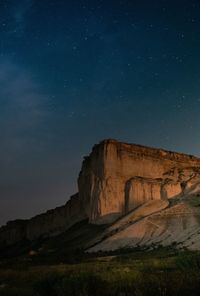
[75, 72]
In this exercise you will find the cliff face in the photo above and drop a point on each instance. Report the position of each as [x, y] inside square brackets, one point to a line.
[115, 178]
[51, 223]
[118, 177]
[55, 221]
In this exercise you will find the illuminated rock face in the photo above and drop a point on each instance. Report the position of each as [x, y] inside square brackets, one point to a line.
[115, 179]
[140, 190]
[156, 223]
[118, 177]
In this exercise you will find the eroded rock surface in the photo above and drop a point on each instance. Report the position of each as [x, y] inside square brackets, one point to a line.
[118, 177]
[51, 223]
[147, 191]
[177, 225]
[155, 223]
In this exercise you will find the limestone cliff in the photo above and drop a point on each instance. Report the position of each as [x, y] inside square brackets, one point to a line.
[162, 212]
[117, 177]
[51, 223]
[115, 180]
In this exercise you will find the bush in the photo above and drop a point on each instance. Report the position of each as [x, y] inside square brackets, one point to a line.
[48, 285]
[188, 260]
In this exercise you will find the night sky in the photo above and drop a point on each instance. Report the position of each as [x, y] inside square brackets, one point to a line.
[75, 72]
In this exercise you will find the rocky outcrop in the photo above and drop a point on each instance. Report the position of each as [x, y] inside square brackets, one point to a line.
[12, 232]
[116, 179]
[141, 190]
[55, 221]
[51, 223]
[162, 212]
[155, 224]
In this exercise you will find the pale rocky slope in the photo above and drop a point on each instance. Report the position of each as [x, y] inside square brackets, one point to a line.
[177, 225]
[172, 220]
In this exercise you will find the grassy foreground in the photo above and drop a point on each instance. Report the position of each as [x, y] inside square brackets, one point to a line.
[133, 273]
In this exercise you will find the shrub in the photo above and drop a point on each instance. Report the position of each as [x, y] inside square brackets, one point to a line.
[188, 260]
[48, 285]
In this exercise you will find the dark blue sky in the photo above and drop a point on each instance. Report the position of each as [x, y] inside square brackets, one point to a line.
[75, 72]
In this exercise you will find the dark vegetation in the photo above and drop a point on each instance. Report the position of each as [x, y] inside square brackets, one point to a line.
[60, 267]
[66, 247]
[160, 272]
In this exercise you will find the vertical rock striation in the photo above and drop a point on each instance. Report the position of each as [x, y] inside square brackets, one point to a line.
[51, 223]
[117, 177]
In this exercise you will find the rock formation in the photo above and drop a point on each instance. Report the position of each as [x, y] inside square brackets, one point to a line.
[156, 223]
[118, 177]
[51, 223]
[148, 197]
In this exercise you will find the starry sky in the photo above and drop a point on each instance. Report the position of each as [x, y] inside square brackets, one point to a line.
[75, 72]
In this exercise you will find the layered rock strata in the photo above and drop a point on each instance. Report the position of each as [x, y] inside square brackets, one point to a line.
[116, 179]
[155, 224]
[51, 223]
